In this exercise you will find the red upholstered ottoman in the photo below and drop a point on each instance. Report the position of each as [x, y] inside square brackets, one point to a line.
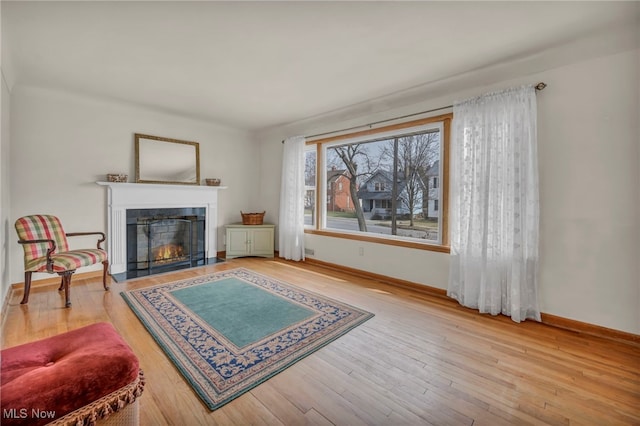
[75, 378]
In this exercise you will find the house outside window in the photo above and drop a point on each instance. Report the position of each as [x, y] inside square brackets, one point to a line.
[338, 198]
[431, 205]
[397, 206]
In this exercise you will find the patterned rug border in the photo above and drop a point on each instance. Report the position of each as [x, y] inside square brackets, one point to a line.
[195, 370]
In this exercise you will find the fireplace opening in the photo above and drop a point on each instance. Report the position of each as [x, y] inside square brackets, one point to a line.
[162, 240]
[168, 243]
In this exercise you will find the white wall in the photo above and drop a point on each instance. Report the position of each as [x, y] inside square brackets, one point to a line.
[63, 143]
[590, 207]
[5, 206]
[590, 204]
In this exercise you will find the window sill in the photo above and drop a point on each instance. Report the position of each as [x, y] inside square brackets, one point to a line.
[380, 240]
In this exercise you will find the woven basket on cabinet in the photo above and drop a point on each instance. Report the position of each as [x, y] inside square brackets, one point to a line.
[252, 218]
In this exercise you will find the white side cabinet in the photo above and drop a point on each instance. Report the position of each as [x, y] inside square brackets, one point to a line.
[250, 240]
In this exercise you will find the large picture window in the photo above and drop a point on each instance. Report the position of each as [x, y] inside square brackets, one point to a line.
[386, 185]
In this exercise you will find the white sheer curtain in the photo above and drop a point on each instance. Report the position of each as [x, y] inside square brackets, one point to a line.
[494, 206]
[291, 223]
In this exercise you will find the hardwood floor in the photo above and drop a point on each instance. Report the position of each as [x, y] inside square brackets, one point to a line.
[421, 360]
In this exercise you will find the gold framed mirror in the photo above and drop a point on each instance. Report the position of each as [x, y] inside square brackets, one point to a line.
[165, 160]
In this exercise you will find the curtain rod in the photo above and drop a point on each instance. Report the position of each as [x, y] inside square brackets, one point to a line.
[539, 86]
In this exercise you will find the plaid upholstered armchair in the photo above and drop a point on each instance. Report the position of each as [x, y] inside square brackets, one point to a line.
[46, 249]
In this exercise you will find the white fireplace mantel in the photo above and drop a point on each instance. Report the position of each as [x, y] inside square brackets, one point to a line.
[125, 196]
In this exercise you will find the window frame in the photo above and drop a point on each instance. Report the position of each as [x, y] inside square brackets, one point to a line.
[318, 228]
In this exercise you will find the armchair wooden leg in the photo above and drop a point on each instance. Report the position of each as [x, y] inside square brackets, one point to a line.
[27, 287]
[104, 274]
[66, 279]
[61, 284]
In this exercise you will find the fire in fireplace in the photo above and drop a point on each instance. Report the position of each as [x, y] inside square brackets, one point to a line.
[161, 240]
[169, 253]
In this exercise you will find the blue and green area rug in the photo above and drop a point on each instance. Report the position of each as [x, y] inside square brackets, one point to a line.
[229, 331]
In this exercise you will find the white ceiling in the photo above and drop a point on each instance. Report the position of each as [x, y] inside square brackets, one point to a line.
[259, 64]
